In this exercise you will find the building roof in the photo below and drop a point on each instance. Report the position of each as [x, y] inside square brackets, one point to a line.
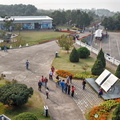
[28, 18]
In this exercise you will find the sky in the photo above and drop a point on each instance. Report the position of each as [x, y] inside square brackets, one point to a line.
[112, 5]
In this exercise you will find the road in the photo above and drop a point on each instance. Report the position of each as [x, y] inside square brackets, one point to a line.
[109, 45]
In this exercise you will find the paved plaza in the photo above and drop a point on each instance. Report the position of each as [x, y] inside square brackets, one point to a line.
[61, 106]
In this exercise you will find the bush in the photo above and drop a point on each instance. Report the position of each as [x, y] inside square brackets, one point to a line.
[63, 73]
[116, 113]
[26, 116]
[109, 104]
[2, 47]
[83, 76]
[97, 68]
[83, 52]
[14, 94]
[74, 56]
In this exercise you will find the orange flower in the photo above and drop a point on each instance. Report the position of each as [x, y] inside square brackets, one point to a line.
[63, 73]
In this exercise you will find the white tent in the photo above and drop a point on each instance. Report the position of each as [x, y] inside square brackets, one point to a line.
[98, 33]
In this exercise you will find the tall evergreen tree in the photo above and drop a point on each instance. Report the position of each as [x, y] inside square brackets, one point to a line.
[117, 73]
[102, 57]
[97, 68]
[74, 56]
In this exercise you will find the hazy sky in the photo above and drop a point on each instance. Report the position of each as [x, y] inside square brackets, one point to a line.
[112, 5]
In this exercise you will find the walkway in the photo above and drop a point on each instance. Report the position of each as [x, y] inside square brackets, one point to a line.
[61, 106]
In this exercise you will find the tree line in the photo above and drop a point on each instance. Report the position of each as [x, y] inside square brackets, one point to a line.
[78, 18]
[112, 23]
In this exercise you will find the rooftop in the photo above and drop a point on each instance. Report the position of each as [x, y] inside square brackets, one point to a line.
[19, 18]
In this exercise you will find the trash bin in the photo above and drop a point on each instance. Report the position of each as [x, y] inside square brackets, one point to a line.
[46, 111]
[56, 54]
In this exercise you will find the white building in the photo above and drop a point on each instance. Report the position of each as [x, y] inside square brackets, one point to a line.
[28, 22]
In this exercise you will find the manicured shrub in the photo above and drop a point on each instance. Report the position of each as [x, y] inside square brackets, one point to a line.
[74, 56]
[63, 73]
[83, 76]
[25, 116]
[97, 68]
[14, 94]
[109, 104]
[101, 57]
[83, 52]
[117, 73]
[116, 113]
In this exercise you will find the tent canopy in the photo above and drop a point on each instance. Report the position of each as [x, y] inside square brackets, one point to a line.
[98, 33]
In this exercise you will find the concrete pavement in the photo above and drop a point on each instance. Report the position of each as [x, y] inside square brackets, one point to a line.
[12, 64]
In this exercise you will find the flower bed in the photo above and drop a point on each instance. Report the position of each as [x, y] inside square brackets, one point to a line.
[83, 76]
[46, 41]
[63, 73]
[102, 110]
[102, 113]
[67, 31]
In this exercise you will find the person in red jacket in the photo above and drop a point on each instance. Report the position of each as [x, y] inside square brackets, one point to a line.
[42, 79]
[45, 81]
[100, 92]
[72, 91]
[52, 69]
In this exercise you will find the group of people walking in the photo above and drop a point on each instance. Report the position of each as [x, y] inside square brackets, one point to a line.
[66, 86]
[42, 82]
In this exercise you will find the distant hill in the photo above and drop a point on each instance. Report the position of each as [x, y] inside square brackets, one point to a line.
[100, 12]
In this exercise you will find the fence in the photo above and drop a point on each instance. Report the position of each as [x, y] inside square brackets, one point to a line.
[96, 51]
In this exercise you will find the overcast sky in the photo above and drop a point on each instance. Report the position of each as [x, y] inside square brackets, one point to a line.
[112, 5]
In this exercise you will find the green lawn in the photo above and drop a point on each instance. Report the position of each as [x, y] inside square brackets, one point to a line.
[63, 63]
[34, 105]
[34, 37]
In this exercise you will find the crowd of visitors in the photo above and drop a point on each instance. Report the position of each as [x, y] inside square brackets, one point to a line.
[66, 85]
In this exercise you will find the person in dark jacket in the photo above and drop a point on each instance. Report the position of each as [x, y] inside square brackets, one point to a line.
[83, 84]
[39, 85]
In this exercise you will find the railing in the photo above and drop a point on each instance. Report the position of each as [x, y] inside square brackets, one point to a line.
[96, 51]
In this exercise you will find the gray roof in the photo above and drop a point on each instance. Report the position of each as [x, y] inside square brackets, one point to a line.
[28, 18]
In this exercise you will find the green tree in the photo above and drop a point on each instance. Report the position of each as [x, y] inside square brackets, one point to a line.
[97, 68]
[83, 52]
[2, 34]
[25, 116]
[117, 73]
[15, 94]
[65, 42]
[74, 56]
[101, 57]
[8, 22]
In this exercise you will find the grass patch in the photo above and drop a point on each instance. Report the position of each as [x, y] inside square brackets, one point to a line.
[34, 105]
[63, 63]
[2, 82]
[34, 37]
